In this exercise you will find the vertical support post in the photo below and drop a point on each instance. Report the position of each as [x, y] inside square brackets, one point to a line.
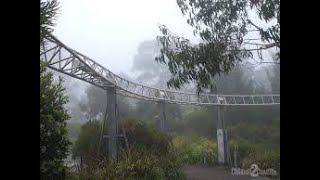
[221, 138]
[112, 122]
[81, 162]
[162, 116]
[226, 148]
[235, 158]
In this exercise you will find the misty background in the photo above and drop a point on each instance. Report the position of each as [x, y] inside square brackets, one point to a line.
[120, 35]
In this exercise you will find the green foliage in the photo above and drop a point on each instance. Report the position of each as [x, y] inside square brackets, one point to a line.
[222, 26]
[256, 137]
[48, 12]
[136, 164]
[53, 132]
[73, 131]
[54, 141]
[193, 149]
[140, 164]
[144, 135]
[87, 144]
[95, 103]
[264, 154]
[257, 144]
[274, 78]
[237, 81]
[264, 159]
[149, 156]
[140, 134]
[267, 133]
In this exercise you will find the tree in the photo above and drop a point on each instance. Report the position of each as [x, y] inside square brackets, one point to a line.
[155, 75]
[150, 72]
[74, 91]
[54, 140]
[94, 104]
[274, 78]
[48, 12]
[147, 154]
[226, 29]
[201, 122]
[237, 81]
[87, 144]
[73, 130]
[140, 134]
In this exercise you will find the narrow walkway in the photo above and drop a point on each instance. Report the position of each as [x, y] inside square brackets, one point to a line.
[195, 172]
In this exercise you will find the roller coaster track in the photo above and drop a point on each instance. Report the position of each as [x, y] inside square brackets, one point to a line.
[63, 59]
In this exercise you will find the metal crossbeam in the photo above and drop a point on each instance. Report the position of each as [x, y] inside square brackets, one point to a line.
[68, 61]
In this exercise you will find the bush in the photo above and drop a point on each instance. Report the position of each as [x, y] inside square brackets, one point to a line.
[150, 154]
[264, 155]
[86, 146]
[192, 149]
[135, 164]
[73, 131]
[144, 135]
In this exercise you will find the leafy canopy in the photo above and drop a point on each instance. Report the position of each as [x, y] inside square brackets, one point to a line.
[224, 27]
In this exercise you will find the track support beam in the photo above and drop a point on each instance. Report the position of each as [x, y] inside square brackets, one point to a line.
[221, 138]
[162, 116]
[112, 122]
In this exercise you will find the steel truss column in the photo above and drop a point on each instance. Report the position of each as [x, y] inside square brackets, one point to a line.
[162, 116]
[221, 137]
[112, 122]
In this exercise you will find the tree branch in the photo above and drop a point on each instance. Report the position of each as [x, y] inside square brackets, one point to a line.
[259, 28]
[255, 49]
[270, 62]
[258, 44]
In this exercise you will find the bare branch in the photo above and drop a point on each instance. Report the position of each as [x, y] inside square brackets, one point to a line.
[255, 49]
[270, 62]
[257, 44]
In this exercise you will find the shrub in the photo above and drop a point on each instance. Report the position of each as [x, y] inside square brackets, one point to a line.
[150, 154]
[144, 135]
[192, 149]
[263, 154]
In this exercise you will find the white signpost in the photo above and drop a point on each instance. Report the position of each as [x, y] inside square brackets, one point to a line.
[220, 138]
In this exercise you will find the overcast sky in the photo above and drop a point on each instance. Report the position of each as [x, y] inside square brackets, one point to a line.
[109, 31]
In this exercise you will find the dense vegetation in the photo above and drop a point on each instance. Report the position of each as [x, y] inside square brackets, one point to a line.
[146, 152]
[149, 153]
[148, 148]
[54, 141]
[254, 132]
[195, 149]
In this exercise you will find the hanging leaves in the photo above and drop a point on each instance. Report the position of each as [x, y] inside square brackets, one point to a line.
[222, 26]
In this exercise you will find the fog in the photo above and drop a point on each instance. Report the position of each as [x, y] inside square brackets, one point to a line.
[120, 35]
